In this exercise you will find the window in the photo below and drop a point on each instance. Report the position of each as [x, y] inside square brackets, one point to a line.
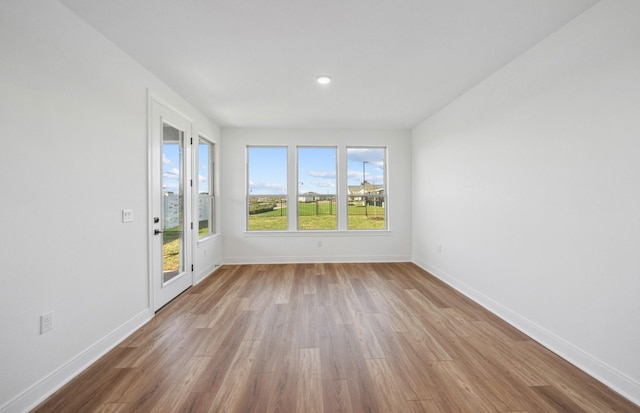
[206, 193]
[267, 188]
[326, 195]
[317, 188]
[366, 187]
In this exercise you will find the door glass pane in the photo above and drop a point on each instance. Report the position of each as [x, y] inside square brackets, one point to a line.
[173, 201]
[317, 188]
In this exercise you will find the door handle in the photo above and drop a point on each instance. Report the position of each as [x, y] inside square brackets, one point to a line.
[156, 232]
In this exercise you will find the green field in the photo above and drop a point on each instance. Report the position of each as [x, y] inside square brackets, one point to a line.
[358, 217]
[203, 228]
[171, 249]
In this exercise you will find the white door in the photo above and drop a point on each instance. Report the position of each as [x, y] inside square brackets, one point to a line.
[171, 225]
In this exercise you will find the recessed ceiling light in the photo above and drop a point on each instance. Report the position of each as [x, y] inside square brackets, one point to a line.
[323, 80]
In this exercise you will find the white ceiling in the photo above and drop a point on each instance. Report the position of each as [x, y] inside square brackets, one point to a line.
[253, 63]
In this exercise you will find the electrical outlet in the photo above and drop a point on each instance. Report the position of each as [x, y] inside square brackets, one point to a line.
[46, 322]
[319, 244]
[439, 248]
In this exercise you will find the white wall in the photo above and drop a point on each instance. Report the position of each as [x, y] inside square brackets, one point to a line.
[242, 247]
[74, 154]
[530, 182]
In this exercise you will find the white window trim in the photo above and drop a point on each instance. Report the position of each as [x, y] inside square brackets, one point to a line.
[341, 193]
[212, 185]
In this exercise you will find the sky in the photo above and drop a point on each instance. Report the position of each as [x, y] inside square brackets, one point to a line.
[374, 166]
[267, 170]
[316, 169]
[171, 167]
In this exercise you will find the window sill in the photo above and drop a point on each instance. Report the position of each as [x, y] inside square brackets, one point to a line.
[208, 239]
[319, 233]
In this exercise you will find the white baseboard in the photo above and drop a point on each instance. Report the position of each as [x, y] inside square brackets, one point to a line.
[315, 259]
[207, 271]
[37, 393]
[602, 372]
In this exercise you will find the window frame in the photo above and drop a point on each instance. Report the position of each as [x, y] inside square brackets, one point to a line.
[212, 227]
[286, 196]
[364, 195]
[298, 194]
[342, 192]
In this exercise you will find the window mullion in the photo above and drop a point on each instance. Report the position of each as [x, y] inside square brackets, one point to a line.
[292, 186]
[341, 198]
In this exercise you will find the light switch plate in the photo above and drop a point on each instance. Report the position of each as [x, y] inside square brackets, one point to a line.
[127, 215]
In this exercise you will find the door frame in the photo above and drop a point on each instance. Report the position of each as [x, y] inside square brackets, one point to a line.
[153, 102]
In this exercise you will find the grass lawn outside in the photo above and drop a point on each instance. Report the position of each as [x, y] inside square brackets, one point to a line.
[203, 227]
[371, 218]
[258, 223]
[317, 222]
[358, 218]
[171, 249]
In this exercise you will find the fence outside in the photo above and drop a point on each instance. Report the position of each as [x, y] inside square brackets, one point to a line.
[269, 212]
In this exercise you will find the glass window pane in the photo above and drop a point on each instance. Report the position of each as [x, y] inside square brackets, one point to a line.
[317, 188]
[267, 188]
[366, 197]
[206, 200]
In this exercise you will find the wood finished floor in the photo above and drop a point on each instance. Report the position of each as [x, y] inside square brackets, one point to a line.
[330, 338]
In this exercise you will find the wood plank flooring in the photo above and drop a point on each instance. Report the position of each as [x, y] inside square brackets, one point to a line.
[383, 337]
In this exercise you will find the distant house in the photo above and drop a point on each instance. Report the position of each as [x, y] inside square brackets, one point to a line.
[366, 189]
[372, 191]
[309, 197]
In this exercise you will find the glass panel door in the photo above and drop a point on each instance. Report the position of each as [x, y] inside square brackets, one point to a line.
[171, 235]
